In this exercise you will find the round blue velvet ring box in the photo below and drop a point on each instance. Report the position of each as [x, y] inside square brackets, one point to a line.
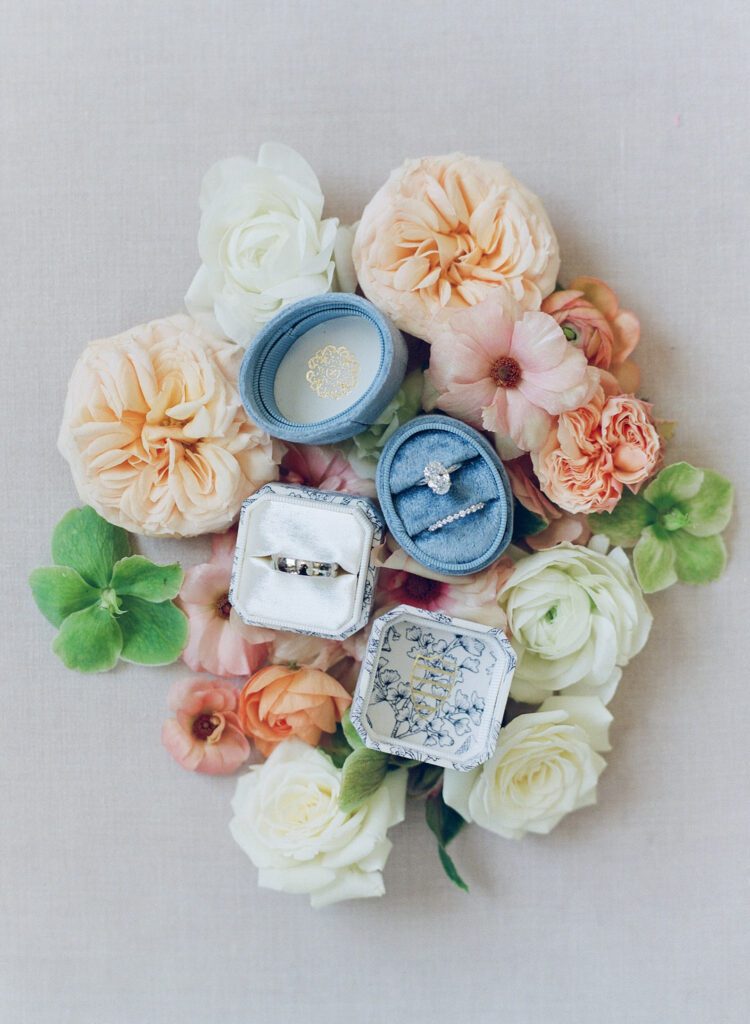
[465, 521]
[323, 369]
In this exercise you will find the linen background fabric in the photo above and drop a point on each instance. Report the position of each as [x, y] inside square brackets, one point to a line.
[124, 900]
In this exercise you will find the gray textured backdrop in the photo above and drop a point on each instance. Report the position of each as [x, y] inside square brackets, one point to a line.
[124, 900]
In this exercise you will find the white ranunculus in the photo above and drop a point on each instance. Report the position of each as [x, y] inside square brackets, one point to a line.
[262, 241]
[545, 765]
[576, 617]
[288, 821]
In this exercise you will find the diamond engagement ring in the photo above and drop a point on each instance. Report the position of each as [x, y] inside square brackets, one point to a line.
[476, 507]
[305, 567]
[437, 477]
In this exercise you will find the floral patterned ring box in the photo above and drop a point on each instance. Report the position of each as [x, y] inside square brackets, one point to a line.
[433, 688]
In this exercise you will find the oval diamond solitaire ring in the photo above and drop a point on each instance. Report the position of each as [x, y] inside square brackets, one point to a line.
[437, 477]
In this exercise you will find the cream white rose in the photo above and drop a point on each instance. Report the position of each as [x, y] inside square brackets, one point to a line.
[262, 241]
[546, 764]
[288, 821]
[576, 617]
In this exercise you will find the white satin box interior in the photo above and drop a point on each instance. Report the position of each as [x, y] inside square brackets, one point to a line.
[305, 560]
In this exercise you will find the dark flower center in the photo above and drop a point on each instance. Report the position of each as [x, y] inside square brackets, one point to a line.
[224, 606]
[204, 726]
[506, 372]
[420, 589]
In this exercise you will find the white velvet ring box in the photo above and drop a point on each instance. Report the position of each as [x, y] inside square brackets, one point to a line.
[285, 521]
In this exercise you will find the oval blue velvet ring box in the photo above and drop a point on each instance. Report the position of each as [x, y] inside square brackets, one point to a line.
[464, 521]
[323, 369]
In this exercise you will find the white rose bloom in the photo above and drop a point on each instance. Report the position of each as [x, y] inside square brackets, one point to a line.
[576, 616]
[545, 766]
[262, 241]
[288, 821]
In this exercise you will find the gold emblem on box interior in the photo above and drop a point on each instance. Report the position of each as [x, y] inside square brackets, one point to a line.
[431, 682]
[333, 372]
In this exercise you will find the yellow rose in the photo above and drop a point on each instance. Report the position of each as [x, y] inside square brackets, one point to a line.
[155, 433]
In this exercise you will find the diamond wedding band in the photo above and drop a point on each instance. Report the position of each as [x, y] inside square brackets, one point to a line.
[437, 477]
[305, 567]
[476, 507]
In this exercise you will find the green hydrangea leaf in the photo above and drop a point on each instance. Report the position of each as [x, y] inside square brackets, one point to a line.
[525, 523]
[153, 634]
[698, 559]
[352, 736]
[139, 577]
[675, 484]
[59, 591]
[710, 510]
[654, 560]
[89, 640]
[362, 774]
[402, 408]
[626, 522]
[89, 544]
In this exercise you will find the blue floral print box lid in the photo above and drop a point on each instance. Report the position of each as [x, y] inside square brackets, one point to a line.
[433, 688]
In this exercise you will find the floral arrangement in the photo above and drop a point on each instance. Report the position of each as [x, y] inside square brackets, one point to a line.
[462, 257]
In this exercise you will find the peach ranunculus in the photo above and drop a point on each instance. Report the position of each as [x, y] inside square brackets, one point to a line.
[444, 232]
[281, 701]
[589, 314]
[205, 734]
[561, 526]
[507, 371]
[592, 452]
[155, 433]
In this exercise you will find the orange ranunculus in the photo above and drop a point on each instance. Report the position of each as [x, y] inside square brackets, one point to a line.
[280, 701]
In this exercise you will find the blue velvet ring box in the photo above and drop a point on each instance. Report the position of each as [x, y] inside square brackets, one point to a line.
[467, 543]
[323, 369]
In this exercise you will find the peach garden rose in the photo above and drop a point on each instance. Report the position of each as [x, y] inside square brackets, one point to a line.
[444, 232]
[156, 436]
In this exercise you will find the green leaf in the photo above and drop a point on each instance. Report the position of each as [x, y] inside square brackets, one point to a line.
[698, 559]
[423, 778]
[443, 821]
[626, 522]
[445, 824]
[363, 773]
[525, 523]
[153, 634]
[89, 544]
[89, 640]
[678, 482]
[654, 560]
[710, 510]
[352, 736]
[60, 591]
[139, 577]
[335, 746]
[450, 869]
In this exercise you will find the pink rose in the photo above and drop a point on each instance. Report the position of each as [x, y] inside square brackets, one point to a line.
[592, 452]
[561, 526]
[445, 232]
[205, 734]
[591, 318]
[219, 642]
[323, 467]
[507, 371]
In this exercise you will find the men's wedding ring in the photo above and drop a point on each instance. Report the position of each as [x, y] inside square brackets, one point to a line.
[305, 566]
[437, 477]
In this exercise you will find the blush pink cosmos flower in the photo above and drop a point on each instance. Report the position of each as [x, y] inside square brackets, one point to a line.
[404, 581]
[507, 371]
[205, 734]
[323, 467]
[218, 641]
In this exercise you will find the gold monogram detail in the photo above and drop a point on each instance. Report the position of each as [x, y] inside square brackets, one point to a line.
[431, 682]
[333, 372]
